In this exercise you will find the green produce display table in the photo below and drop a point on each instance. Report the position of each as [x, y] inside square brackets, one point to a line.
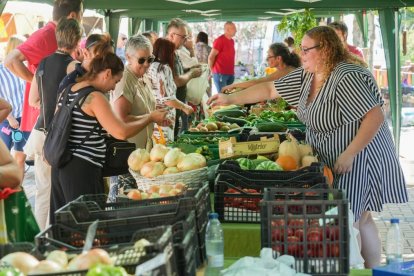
[241, 239]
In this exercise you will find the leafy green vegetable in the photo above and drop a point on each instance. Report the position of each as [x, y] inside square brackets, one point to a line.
[107, 270]
[11, 272]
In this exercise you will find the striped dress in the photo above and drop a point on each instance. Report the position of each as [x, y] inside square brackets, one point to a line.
[94, 148]
[332, 121]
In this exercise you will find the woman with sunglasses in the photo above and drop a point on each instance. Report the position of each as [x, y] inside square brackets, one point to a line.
[164, 88]
[278, 56]
[133, 95]
[339, 101]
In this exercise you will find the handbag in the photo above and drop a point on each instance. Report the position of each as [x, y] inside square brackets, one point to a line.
[197, 88]
[116, 157]
[17, 217]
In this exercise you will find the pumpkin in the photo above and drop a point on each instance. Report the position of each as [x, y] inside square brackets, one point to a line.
[290, 147]
[269, 166]
[245, 163]
[327, 172]
[305, 150]
[288, 163]
[307, 160]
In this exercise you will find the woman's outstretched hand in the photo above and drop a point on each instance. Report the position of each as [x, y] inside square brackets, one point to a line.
[218, 100]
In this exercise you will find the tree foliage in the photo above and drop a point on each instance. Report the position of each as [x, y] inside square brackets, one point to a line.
[298, 24]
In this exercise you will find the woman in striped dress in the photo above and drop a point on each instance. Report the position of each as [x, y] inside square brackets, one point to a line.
[92, 117]
[339, 101]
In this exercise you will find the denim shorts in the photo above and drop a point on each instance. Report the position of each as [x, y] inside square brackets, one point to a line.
[6, 135]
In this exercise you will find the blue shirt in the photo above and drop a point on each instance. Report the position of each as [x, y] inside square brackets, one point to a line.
[12, 89]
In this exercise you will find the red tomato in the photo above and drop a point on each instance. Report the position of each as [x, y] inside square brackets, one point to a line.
[333, 232]
[296, 223]
[278, 222]
[318, 230]
[294, 246]
[278, 234]
[314, 223]
[333, 250]
[314, 236]
[299, 233]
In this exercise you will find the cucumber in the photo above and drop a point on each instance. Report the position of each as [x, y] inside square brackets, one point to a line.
[271, 127]
[230, 113]
[238, 121]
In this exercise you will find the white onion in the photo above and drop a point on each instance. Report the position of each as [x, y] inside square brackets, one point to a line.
[20, 260]
[158, 152]
[172, 157]
[137, 159]
[192, 161]
[45, 266]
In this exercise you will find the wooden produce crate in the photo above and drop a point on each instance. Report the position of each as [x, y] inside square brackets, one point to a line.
[232, 148]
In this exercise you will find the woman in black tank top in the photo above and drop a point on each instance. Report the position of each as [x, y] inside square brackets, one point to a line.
[83, 174]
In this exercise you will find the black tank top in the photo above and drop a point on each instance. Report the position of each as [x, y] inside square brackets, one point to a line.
[54, 70]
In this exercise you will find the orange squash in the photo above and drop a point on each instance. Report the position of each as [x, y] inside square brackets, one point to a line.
[287, 162]
[327, 172]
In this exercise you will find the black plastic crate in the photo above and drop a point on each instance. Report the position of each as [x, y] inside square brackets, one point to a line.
[88, 208]
[125, 255]
[201, 235]
[8, 248]
[186, 251]
[236, 198]
[317, 236]
[81, 214]
[233, 166]
[114, 231]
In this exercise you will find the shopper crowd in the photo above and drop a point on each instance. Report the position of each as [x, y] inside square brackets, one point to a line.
[137, 90]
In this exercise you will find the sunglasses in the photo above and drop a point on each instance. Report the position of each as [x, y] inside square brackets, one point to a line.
[149, 60]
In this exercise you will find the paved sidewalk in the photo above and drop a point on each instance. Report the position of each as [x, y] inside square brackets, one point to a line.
[405, 212]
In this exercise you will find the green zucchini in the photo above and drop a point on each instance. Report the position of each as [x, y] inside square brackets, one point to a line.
[271, 127]
[238, 121]
[230, 113]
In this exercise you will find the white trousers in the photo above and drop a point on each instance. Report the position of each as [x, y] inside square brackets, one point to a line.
[34, 147]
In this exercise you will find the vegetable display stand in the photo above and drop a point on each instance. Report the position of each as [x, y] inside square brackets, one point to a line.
[237, 197]
[158, 211]
[314, 231]
[232, 148]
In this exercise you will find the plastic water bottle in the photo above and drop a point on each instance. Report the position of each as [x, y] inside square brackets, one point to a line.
[214, 246]
[394, 248]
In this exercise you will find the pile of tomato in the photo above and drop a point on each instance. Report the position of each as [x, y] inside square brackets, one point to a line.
[246, 199]
[300, 238]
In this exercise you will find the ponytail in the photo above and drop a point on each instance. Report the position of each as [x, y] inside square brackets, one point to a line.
[101, 63]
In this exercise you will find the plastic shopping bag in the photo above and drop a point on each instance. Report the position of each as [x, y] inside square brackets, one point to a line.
[20, 223]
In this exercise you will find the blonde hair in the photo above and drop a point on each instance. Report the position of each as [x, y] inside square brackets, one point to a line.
[332, 48]
[13, 42]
